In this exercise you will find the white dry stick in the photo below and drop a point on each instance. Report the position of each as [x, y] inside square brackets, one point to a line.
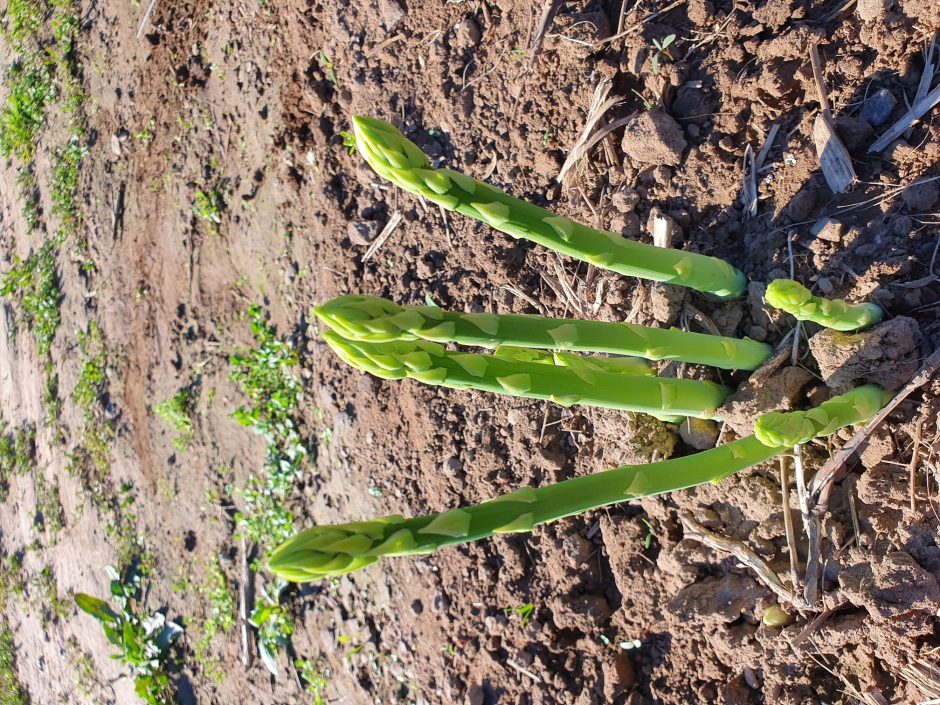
[788, 524]
[749, 183]
[833, 157]
[915, 113]
[662, 230]
[386, 233]
[143, 22]
[243, 608]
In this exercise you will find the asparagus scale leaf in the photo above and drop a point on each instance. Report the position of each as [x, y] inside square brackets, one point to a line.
[325, 551]
[377, 320]
[577, 380]
[796, 299]
[394, 157]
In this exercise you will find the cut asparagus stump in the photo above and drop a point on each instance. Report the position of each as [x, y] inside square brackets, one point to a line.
[576, 380]
[796, 299]
[373, 319]
[326, 551]
[394, 157]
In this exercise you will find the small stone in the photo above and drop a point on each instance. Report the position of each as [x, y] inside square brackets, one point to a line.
[116, 145]
[827, 229]
[362, 232]
[693, 131]
[855, 133]
[625, 199]
[627, 224]
[653, 137]
[466, 34]
[801, 205]
[878, 106]
[453, 465]
[662, 174]
[921, 196]
[391, 13]
[902, 225]
[701, 434]
[871, 10]
[758, 333]
[475, 695]
[825, 286]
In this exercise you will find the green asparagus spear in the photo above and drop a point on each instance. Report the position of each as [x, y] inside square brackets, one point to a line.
[399, 160]
[373, 319]
[582, 381]
[325, 551]
[796, 299]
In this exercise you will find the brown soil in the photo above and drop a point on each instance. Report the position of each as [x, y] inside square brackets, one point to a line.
[239, 96]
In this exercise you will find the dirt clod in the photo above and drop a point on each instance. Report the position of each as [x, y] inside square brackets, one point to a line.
[653, 137]
[886, 354]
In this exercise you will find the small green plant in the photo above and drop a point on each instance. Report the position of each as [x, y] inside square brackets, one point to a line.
[349, 141]
[273, 623]
[524, 612]
[326, 551]
[209, 204]
[177, 411]
[35, 282]
[799, 302]
[11, 692]
[144, 640]
[17, 454]
[397, 159]
[315, 682]
[23, 19]
[662, 49]
[219, 619]
[327, 65]
[29, 89]
[650, 534]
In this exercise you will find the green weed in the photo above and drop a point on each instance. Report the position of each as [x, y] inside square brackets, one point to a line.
[662, 49]
[209, 204]
[523, 611]
[11, 692]
[220, 617]
[177, 411]
[144, 640]
[315, 681]
[17, 455]
[35, 282]
[30, 88]
[274, 625]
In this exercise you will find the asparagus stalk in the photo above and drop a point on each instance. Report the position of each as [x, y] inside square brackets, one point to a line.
[399, 160]
[325, 551]
[796, 299]
[373, 319]
[584, 380]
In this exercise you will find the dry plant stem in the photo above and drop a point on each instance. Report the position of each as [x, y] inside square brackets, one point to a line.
[917, 111]
[912, 469]
[834, 158]
[244, 608]
[763, 571]
[399, 160]
[788, 524]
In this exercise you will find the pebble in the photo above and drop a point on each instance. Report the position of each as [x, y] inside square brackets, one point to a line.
[662, 174]
[827, 229]
[362, 232]
[801, 205]
[920, 197]
[453, 465]
[467, 33]
[878, 107]
[825, 286]
[625, 199]
[701, 434]
[475, 695]
[653, 137]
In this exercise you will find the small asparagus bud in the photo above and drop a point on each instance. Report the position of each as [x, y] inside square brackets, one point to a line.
[396, 158]
[582, 380]
[325, 551]
[796, 299]
[377, 320]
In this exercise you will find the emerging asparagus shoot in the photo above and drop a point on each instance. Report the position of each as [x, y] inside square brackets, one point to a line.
[376, 320]
[796, 299]
[396, 158]
[325, 551]
[521, 372]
